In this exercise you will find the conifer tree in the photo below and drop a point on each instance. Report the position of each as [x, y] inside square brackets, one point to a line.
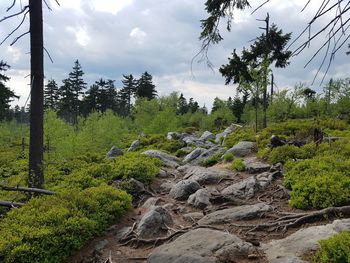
[145, 87]
[6, 95]
[182, 106]
[51, 95]
[126, 94]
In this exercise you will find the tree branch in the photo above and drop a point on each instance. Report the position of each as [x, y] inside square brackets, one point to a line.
[13, 31]
[15, 14]
[25, 189]
[10, 204]
[17, 38]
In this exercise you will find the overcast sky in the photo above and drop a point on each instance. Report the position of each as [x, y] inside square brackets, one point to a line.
[115, 37]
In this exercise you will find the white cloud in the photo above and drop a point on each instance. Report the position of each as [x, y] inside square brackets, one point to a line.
[15, 54]
[110, 6]
[81, 35]
[138, 34]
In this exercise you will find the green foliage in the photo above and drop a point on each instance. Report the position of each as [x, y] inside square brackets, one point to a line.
[228, 157]
[160, 142]
[242, 134]
[138, 166]
[238, 165]
[47, 229]
[335, 249]
[290, 152]
[211, 160]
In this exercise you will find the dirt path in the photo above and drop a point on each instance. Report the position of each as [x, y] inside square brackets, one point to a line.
[255, 230]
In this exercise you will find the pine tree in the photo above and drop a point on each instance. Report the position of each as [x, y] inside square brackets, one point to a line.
[71, 91]
[217, 104]
[6, 95]
[51, 95]
[193, 105]
[126, 94]
[145, 87]
[182, 106]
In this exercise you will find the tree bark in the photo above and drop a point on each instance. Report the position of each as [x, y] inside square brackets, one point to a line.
[36, 175]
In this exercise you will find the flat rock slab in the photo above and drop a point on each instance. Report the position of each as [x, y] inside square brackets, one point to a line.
[303, 241]
[208, 153]
[203, 175]
[183, 189]
[242, 148]
[254, 165]
[193, 155]
[200, 199]
[202, 246]
[168, 159]
[235, 214]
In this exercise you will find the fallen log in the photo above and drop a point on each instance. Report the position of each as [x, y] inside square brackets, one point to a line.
[10, 204]
[25, 189]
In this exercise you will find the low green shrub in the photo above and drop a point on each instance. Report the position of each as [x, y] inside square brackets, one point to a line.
[211, 160]
[160, 142]
[48, 229]
[228, 157]
[335, 249]
[284, 153]
[238, 165]
[242, 134]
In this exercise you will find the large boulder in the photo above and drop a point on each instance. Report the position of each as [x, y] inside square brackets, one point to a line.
[193, 155]
[183, 189]
[303, 241]
[174, 136]
[134, 145]
[221, 136]
[209, 153]
[236, 213]
[114, 152]
[203, 246]
[207, 135]
[153, 222]
[249, 186]
[200, 199]
[242, 148]
[254, 165]
[203, 175]
[168, 159]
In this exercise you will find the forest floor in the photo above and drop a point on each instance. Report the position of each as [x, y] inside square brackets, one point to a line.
[282, 221]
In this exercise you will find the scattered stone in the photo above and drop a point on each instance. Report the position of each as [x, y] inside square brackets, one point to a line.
[303, 241]
[101, 244]
[123, 232]
[242, 149]
[200, 199]
[202, 246]
[207, 135]
[153, 222]
[183, 189]
[221, 136]
[193, 155]
[249, 186]
[288, 260]
[193, 217]
[174, 136]
[235, 214]
[216, 150]
[134, 145]
[136, 188]
[203, 175]
[192, 140]
[162, 174]
[168, 159]
[166, 186]
[150, 203]
[114, 152]
[254, 165]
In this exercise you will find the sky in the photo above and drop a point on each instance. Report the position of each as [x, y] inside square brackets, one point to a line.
[112, 38]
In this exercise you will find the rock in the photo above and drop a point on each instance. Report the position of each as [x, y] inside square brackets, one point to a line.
[254, 165]
[114, 152]
[123, 232]
[168, 159]
[151, 202]
[235, 213]
[166, 186]
[187, 149]
[207, 135]
[203, 175]
[220, 136]
[134, 145]
[193, 217]
[303, 241]
[136, 187]
[101, 244]
[202, 246]
[200, 199]
[249, 186]
[216, 150]
[288, 260]
[162, 174]
[192, 140]
[193, 155]
[183, 189]
[242, 149]
[174, 136]
[153, 222]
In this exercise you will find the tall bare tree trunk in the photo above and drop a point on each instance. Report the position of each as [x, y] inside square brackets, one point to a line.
[36, 175]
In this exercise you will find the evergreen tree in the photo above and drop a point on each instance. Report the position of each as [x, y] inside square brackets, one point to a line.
[217, 104]
[193, 105]
[182, 106]
[71, 91]
[145, 87]
[6, 95]
[51, 95]
[126, 94]
[237, 108]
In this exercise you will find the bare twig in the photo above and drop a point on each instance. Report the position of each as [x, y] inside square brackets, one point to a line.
[15, 14]
[11, 6]
[48, 54]
[13, 31]
[25, 189]
[17, 38]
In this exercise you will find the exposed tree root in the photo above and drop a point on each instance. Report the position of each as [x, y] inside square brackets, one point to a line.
[25, 189]
[10, 204]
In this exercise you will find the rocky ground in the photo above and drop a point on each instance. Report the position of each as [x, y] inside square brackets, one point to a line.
[193, 214]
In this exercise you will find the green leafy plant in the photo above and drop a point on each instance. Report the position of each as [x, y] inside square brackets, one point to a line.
[238, 165]
[228, 157]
